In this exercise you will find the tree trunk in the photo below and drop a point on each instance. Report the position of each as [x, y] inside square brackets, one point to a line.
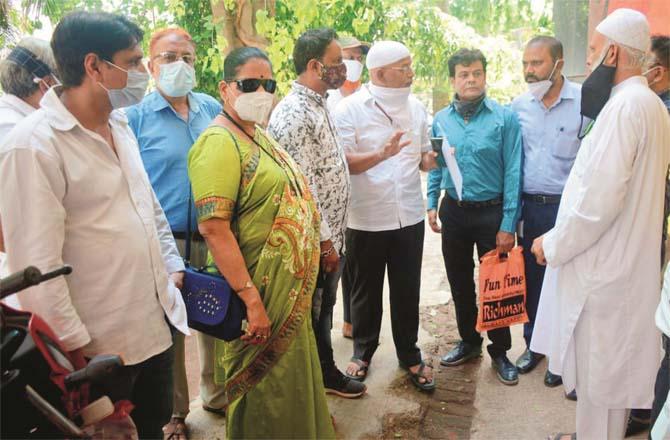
[238, 25]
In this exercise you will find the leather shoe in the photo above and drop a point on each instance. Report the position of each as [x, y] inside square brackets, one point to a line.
[552, 380]
[506, 370]
[460, 354]
[572, 395]
[528, 361]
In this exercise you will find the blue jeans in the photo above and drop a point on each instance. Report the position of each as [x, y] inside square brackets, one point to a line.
[537, 220]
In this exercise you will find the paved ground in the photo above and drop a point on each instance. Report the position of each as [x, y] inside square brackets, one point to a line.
[469, 403]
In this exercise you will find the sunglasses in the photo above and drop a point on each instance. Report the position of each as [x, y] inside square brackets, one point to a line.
[251, 84]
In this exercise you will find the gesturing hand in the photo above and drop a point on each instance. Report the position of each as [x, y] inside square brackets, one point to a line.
[394, 145]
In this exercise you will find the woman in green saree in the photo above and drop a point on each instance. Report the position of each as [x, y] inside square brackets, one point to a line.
[262, 229]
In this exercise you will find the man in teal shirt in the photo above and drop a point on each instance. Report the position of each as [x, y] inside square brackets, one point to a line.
[486, 142]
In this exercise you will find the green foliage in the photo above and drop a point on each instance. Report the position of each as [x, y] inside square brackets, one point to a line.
[496, 17]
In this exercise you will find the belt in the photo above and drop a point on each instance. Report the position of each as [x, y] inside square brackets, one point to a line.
[483, 204]
[195, 236]
[542, 199]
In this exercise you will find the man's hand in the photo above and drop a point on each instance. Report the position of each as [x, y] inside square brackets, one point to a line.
[538, 250]
[504, 242]
[432, 221]
[428, 161]
[331, 261]
[393, 145]
[178, 279]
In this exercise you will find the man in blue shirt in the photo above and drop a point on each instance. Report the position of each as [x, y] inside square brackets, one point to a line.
[549, 114]
[166, 123]
[486, 139]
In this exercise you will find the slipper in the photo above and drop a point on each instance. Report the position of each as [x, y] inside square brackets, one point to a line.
[560, 436]
[362, 368]
[423, 386]
[175, 429]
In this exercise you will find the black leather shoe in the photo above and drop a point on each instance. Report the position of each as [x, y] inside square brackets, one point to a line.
[639, 420]
[552, 380]
[506, 370]
[460, 354]
[528, 361]
[572, 395]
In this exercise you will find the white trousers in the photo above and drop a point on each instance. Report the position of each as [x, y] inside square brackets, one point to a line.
[593, 422]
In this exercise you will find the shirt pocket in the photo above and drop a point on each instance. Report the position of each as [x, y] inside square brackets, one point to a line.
[565, 144]
[487, 141]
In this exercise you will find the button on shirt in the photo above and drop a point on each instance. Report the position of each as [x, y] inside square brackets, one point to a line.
[488, 150]
[165, 139]
[388, 195]
[302, 125]
[550, 142]
[12, 110]
[66, 197]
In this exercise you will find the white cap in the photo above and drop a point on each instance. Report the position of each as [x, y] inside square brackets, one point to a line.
[627, 27]
[384, 53]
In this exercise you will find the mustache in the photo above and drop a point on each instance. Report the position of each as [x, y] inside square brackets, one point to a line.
[531, 76]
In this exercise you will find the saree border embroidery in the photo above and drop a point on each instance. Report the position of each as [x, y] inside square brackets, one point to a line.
[306, 258]
[214, 207]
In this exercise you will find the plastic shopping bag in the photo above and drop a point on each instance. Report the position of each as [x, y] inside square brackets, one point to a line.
[502, 290]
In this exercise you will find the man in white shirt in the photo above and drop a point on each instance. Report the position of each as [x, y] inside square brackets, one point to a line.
[601, 288]
[25, 76]
[353, 52]
[73, 190]
[385, 134]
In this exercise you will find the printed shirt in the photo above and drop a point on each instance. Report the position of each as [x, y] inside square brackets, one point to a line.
[303, 126]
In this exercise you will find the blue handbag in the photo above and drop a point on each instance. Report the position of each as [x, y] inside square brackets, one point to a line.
[212, 307]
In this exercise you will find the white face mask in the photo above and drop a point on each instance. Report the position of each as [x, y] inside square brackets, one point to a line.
[540, 88]
[132, 93]
[176, 79]
[393, 97]
[254, 106]
[354, 70]
[651, 83]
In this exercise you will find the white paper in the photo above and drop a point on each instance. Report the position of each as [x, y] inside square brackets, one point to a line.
[455, 172]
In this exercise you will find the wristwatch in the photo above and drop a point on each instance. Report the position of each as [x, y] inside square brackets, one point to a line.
[248, 285]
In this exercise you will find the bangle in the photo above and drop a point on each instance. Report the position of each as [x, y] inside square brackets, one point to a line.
[248, 285]
[328, 251]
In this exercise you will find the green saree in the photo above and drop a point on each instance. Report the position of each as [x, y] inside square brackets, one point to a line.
[274, 390]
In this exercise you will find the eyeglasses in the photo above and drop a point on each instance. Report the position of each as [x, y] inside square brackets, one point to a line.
[251, 84]
[172, 57]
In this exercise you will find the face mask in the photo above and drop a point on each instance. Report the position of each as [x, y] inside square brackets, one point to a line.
[254, 106]
[651, 83]
[596, 88]
[176, 79]
[391, 96]
[354, 70]
[132, 93]
[540, 88]
[334, 76]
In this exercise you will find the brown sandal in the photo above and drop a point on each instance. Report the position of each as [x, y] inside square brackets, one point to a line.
[563, 436]
[176, 429]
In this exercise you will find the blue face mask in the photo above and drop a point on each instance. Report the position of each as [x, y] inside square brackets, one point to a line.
[176, 79]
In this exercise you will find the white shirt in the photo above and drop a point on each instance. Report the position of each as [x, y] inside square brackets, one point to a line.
[388, 196]
[12, 110]
[67, 198]
[603, 253]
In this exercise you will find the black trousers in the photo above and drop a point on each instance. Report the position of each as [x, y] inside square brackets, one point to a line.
[323, 303]
[369, 255]
[662, 383]
[462, 229]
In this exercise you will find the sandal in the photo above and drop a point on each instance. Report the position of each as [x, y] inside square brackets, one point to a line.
[175, 429]
[563, 436]
[362, 371]
[428, 384]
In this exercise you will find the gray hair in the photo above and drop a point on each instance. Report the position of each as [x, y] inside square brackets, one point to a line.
[636, 57]
[18, 81]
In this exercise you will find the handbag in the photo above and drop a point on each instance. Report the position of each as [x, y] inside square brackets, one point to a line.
[212, 307]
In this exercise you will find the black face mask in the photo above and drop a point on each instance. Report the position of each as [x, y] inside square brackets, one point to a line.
[596, 91]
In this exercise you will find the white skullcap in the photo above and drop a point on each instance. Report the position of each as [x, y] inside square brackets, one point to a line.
[627, 27]
[384, 53]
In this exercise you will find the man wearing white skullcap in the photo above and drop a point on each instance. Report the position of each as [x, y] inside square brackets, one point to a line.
[602, 286]
[385, 135]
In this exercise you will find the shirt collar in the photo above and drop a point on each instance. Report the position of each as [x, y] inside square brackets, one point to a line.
[17, 104]
[639, 79]
[157, 102]
[487, 102]
[60, 117]
[304, 90]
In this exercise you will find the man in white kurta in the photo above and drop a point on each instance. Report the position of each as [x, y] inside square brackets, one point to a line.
[602, 286]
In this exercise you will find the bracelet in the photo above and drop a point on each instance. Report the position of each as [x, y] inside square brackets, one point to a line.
[327, 252]
[248, 285]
